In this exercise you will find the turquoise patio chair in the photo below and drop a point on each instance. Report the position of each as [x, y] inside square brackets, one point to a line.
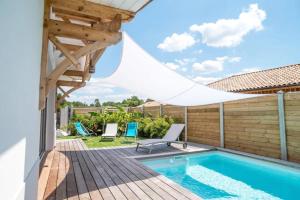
[81, 130]
[131, 130]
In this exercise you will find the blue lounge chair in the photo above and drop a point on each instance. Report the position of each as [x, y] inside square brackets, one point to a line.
[81, 130]
[131, 130]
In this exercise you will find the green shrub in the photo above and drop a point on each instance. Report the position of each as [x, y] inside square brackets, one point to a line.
[148, 127]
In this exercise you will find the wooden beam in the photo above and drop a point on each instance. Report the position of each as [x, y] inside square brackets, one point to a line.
[63, 66]
[63, 91]
[71, 47]
[66, 94]
[65, 51]
[86, 9]
[69, 83]
[96, 56]
[73, 73]
[65, 29]
[44, 57]
[87, 20]
[116, 23]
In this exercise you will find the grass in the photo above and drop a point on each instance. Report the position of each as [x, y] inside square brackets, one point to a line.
[96, 142]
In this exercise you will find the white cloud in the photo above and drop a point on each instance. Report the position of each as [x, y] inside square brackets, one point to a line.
[185, 61]
[230, 32]
[205, 80]
[215, 65]
[96, 89]
[184, 69]
[248, 70]
[200, 51]
[234, 59]
[171, 65]
[209, 66]
[177, 42]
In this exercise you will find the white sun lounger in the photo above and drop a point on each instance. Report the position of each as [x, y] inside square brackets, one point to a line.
[171, 137]
[111, 131]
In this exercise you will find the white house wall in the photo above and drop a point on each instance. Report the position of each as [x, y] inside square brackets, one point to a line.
[20, 58]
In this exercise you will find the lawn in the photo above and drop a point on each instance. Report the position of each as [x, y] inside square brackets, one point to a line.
[94, 141]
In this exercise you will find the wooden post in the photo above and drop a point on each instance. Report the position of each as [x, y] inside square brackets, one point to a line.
[281, 117]
[221, 111]
[160, 110]
[143, 112]
[186, 123]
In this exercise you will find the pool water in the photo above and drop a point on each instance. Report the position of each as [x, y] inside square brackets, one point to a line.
[220, 175]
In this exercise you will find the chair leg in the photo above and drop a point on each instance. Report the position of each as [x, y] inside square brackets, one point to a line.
[150, 150]
[185, 145]
[137, 146]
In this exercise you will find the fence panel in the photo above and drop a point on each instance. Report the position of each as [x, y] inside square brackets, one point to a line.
[292, 117]
[252, 126]
[204, 124]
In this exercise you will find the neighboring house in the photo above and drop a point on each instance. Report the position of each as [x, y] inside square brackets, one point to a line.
[46, 45]
[286, 79]
[150, 104]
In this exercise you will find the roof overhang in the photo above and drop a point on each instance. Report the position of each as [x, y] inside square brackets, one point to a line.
[78, 32]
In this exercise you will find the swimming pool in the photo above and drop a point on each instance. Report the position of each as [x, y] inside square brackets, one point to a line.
[220, 175]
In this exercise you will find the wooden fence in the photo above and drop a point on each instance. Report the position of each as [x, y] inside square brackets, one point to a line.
[267, 126]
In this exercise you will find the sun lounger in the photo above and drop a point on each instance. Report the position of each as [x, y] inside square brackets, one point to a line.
[171, 137]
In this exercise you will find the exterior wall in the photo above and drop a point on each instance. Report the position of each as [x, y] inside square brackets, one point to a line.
[20, 58]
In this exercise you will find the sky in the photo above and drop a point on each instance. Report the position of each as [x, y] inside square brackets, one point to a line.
[205, 40]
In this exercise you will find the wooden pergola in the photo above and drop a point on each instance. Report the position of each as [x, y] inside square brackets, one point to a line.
[80, 31]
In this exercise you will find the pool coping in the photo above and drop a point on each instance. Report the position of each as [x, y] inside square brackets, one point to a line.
[259, 157]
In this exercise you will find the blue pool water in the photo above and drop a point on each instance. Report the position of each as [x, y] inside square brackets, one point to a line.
[219, 175]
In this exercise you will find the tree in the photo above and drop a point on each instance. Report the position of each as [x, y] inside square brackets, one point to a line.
[132, 101]
[97, 103]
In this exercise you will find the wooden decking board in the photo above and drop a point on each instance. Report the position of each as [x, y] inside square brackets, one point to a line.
[91, 185]
[72, 192]
[107, 179]
[133, 178]
[51, 184]
[148, 179]
[154, 179]
[131, 185]
[44, 174]
[119, 182]
[80, 182]
[107, 174]
[105, 192]
[61, 184]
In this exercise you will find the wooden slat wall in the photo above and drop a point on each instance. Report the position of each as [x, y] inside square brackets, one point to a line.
[176, 112]
[204, 124]
[252, 126]
[292, 120]
[153, 111]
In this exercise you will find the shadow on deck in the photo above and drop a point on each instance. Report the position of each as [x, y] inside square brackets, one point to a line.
[71, 171]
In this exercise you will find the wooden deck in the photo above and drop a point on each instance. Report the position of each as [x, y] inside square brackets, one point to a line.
[71, 171]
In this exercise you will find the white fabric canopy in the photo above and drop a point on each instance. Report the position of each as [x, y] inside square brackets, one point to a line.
[140, 73]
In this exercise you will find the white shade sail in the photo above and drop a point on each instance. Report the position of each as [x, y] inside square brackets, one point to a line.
[140, 73]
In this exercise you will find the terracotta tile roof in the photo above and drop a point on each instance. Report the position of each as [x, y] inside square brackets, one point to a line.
[271, 78]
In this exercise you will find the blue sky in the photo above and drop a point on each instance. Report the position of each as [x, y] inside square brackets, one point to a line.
[206, 40]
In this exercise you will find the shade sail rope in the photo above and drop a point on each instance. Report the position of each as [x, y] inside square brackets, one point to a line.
[143, 75]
